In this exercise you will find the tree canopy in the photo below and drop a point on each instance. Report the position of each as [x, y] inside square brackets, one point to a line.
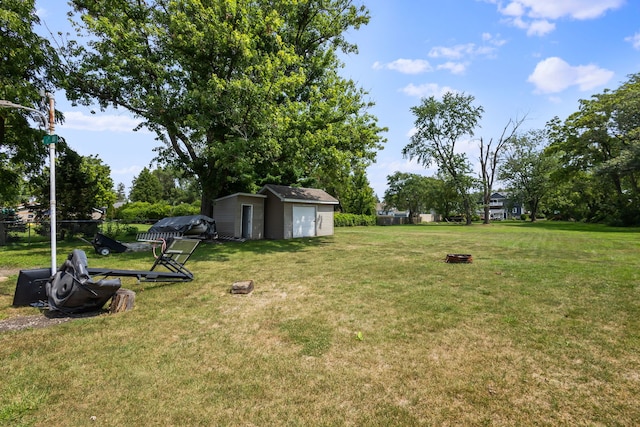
[600, 144]
[528, 170]
[409, 191]
[82, 184]
[440, 125]
[26, 65]
[240, 93]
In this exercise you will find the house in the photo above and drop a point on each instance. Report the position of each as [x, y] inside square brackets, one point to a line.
[240, 216]
[391, 216]
[297, 212]
[276, 212]
[502, 207]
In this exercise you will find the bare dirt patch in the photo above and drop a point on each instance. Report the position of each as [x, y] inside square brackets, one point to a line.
[6, 272]
[33, 321]
[43, 320]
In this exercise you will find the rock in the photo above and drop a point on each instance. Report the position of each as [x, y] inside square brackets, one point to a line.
[243, 287]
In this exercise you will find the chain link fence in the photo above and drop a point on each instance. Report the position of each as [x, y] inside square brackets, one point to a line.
[18, 231]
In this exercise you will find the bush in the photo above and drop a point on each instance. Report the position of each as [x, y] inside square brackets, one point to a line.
[146, 212]
[184, 209]
[524, 217]
[133, 212]
[118, 231]
[353, 220]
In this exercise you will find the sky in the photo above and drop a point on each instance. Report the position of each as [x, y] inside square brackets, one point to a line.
[531, 59]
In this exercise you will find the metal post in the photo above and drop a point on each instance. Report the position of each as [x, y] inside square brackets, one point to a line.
[52, 181]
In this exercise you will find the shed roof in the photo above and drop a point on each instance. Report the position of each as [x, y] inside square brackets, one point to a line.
[259, 196]
[300, 194]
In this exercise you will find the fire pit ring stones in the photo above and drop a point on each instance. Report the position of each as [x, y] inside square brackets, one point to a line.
[459, 258]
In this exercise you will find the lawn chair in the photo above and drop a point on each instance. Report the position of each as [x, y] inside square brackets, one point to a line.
[173, 257]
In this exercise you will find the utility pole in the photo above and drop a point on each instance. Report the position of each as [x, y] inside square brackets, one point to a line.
[51, 139]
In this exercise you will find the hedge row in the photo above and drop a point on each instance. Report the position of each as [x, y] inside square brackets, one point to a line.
[143, 211]
[353, 220]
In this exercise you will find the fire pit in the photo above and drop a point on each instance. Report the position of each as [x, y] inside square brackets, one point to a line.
[459, 258]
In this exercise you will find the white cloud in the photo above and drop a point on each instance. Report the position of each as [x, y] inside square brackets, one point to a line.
[535, 16]
[454, 67]
[553, 75]
[459, 51]
[426, 90]
[406, 66]
[575, 9]
[468, 50]
[634, 40]
[99, 122]
[460, 55]
[493, 39]
[540, 28]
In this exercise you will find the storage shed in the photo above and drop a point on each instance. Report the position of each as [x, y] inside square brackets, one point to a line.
[240, 216]
[291, 212]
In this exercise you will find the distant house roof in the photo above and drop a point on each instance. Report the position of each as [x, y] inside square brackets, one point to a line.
[299, 194]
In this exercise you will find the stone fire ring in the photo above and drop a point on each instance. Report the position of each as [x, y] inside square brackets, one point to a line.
[459, 258]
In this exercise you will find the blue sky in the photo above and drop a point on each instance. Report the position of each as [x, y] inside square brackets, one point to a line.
[533, 58]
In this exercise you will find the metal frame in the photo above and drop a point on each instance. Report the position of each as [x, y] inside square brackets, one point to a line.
[173, 258]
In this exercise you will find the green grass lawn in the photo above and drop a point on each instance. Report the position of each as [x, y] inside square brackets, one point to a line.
[367, 327]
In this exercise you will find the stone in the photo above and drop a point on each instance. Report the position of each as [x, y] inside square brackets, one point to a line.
[243, 287]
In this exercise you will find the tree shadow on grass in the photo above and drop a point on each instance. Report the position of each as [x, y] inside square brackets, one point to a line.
[222, 250]
[572, 226]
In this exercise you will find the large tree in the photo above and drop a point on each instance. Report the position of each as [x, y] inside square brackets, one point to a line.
[146, 187]
[528, 170]
[440, 125]
[355, 193]
[601, 143]
[26, 62]
[241, 93]
[412, 192]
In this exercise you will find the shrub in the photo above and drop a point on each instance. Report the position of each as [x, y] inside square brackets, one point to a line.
[158, 211]
[143, 211]
[132, 212]
[353, 220]
[117, 230]
[185, 209]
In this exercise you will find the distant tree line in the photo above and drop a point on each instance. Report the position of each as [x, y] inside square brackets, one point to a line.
[585, 168]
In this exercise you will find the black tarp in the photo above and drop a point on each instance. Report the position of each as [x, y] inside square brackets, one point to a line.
[189, 225]
[72, 290]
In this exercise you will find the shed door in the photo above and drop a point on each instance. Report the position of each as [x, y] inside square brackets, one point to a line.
[247, 221]
[304, 221]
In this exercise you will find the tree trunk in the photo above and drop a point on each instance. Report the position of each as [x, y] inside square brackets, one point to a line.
[467, 209]
[206, 205]
[534, 210]
[487, 212]
[123, 300]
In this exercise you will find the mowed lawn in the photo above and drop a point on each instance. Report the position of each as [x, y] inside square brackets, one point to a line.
[369, 327]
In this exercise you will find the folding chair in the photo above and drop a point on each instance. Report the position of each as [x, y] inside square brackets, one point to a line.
[175, 256]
